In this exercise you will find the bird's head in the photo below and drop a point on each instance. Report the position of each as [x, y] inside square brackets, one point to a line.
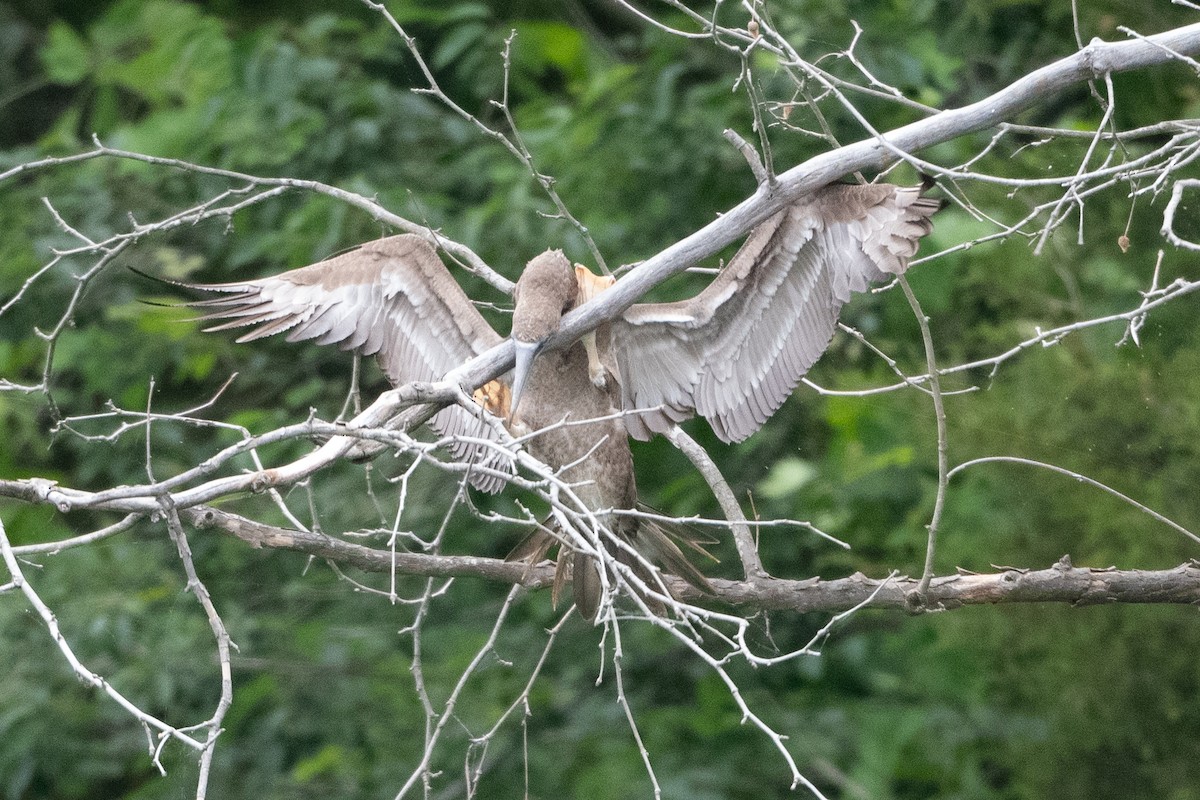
[546, 290]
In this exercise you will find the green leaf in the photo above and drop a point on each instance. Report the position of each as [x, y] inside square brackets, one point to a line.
[66, 56]
[539, 44]
[786, 477]
[458, 43]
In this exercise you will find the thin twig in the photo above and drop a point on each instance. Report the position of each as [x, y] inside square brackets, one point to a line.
[939, 410]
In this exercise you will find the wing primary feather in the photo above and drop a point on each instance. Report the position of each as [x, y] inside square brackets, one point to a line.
[392, 298]
[736, 351]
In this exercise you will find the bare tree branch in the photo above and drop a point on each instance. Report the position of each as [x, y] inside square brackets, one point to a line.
[1097, 58]
[158, 731]
[1061, 583]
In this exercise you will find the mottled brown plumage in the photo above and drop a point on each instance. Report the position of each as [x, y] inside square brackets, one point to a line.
[732, 354]
[560, 386]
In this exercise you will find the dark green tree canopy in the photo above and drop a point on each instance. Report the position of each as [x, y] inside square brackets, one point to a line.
[203, 595]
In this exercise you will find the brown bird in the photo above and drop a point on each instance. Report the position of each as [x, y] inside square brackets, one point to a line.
[732, 354]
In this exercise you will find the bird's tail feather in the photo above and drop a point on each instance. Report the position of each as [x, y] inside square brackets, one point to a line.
[654, 541]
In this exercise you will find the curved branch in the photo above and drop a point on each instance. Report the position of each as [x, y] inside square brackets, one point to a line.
[743, 539]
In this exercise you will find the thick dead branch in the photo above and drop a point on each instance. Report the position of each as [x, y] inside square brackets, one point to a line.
[369, 559]
[1061, 583]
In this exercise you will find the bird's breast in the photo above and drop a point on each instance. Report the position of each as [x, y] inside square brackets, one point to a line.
[576, 429]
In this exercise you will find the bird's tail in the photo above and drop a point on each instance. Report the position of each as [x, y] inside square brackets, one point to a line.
[656, 542]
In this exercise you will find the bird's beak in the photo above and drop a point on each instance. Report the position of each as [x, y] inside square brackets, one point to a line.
[525, 352]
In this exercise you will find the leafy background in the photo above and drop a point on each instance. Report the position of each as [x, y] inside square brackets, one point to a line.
[979, 703]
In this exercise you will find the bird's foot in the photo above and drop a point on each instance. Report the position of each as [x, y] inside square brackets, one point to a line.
[598, 375]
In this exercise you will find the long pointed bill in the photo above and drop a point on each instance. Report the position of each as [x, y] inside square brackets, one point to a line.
[525, 352]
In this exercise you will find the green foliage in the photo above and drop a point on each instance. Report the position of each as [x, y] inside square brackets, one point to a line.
[985, 703]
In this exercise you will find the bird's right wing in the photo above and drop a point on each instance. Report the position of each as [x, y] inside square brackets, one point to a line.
[736, 351]
[391, 298]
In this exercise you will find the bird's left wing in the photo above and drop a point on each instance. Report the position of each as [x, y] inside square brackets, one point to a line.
[736, 351]
[391, 298]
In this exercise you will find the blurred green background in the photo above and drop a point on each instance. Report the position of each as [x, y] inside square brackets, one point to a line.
[1007, 702]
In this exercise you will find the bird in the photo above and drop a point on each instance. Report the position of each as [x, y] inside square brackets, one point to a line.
[732, 354]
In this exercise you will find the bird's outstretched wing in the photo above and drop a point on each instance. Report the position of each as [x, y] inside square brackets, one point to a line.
[736, 351]
[391, 298]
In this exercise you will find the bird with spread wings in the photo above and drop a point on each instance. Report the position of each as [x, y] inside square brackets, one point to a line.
[732, 354]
